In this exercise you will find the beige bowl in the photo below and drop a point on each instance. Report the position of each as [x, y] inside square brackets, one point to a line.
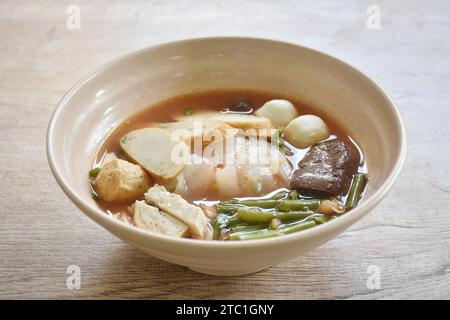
[105, 97]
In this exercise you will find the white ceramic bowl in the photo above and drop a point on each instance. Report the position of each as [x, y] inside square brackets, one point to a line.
[105, 97]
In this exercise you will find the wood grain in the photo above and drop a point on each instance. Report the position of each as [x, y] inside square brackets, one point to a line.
[42, 233]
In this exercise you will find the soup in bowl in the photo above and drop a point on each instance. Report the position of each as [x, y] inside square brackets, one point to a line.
[226, 155]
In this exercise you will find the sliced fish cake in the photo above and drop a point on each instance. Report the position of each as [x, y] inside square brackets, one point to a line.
[152, 219]
[179, 208]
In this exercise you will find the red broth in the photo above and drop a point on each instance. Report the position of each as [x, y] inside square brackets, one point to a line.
[203, 101]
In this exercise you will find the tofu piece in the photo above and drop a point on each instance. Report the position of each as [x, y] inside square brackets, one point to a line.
[151, 219]
[205, 129]
[175, 205]
[156, 150]
[236, 120]
[120, 180]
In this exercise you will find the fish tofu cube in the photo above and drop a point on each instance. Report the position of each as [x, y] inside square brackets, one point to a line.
[120, 180]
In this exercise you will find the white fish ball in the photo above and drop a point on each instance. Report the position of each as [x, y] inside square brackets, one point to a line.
[306, 130]
[280, 112]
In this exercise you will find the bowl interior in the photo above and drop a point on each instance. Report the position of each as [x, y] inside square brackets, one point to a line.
[106, 97]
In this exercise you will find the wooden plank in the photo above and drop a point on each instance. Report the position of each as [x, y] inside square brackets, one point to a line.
[42, 233]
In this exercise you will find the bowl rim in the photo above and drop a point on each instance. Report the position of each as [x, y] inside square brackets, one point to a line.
[99, 216]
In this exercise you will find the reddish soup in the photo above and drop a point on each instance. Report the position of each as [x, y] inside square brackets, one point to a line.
[306, 195]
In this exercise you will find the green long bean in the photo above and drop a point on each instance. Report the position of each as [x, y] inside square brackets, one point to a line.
[258, 216]
[247, 228]
[226, 208]
[266, 233]
[356, 189]
[293, 195]
[304, 204]
[297, 226]
[260, 203]
[281, 205]
[280, 195]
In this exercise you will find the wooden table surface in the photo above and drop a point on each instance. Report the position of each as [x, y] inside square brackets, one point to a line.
[406, 238]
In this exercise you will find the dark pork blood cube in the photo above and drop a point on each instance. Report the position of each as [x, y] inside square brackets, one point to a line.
[327, 169]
